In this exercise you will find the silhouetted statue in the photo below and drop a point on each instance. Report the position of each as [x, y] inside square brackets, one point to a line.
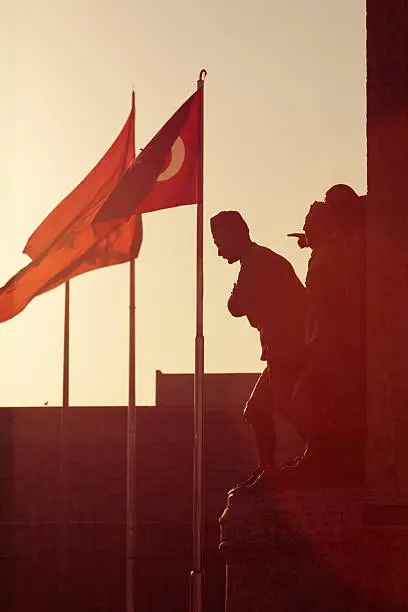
[271, 296]
[328, 404]
[347, 212]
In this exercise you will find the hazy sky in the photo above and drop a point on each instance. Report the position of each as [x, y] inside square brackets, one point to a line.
[285, 119]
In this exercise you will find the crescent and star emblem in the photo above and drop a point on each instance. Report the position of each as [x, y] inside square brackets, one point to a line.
[178, 153]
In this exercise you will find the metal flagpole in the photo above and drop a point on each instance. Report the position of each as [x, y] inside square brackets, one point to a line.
[63, 475]
[197, 573]
[65, 382]
[131, 451]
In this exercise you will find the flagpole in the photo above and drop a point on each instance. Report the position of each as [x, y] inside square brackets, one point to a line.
[65, 381]
[197, 573]
[63, 476]
[131, 450]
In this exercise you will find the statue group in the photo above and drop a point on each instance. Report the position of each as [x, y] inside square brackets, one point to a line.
[312, 340]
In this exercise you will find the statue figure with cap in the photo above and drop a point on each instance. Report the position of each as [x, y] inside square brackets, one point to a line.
[271, 296]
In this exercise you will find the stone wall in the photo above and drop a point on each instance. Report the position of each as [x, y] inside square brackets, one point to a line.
[35, 553]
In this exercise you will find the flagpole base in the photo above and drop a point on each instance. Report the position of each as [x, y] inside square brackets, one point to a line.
[196, 590]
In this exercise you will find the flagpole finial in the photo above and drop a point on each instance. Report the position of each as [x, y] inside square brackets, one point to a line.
[201, 78]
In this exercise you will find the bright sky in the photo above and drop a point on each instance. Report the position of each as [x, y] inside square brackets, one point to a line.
[285, 119]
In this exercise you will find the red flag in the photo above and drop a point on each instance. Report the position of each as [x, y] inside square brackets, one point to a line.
[165, 173]
[122, 244]
[64, 245]
[75, 212]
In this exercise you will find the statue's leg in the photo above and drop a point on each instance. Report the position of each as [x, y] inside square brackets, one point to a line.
[258, 413]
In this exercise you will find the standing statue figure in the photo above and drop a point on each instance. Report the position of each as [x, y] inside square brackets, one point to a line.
[271, 296]
[347, 212]
[328, 402]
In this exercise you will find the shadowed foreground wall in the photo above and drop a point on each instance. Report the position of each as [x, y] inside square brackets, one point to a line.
[32, 547]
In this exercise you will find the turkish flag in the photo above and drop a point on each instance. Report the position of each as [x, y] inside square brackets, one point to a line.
[164, 175]
[74, 214]
[64, 245]
[120, 245]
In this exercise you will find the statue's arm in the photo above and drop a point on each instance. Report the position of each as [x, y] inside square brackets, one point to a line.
[241, 296]
[236, 302]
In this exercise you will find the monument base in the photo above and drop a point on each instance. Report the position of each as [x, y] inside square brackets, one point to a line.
[316, 550]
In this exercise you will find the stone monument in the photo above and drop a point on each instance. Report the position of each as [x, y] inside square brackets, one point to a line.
[346, 548]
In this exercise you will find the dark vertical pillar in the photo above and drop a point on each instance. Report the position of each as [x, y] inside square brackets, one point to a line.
[387, 242]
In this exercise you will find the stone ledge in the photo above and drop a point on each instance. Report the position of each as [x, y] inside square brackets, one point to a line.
[317, 515]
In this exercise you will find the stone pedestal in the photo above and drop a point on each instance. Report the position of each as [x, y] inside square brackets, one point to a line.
[285, 552]
[316, 551]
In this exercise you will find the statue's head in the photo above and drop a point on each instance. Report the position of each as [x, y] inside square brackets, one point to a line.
[317, 225]
[231, 235]
[346, 209]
